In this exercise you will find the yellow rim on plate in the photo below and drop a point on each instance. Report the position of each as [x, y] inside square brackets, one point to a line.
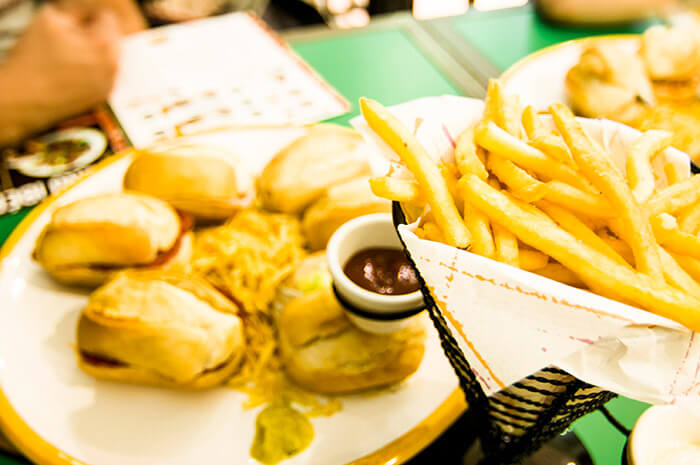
[39, 451]
[514, 68]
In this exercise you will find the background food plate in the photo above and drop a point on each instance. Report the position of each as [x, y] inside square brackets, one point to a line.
[58, 415]
[539, 77]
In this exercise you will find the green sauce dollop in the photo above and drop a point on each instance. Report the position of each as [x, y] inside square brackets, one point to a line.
[280, 432]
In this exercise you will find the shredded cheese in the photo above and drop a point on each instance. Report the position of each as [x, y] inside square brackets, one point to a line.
[248, 259]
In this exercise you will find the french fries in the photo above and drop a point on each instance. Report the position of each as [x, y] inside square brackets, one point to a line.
[495, 139]
[542, 139]
[506, 243]
[466, 157]
[424, 169]
[639, 173]
[591, 265]
[432, 233]
[689, 264]
[399, 190]
[480, 228]
[676, 276]
[675, 197]
[502, 110]
[552, 202]
[602, 173]
[689, 219]
[594, 205]
[619, 246]
[569, 222]
[534, 127]
[512, 110]
[532, 260]
[492, 103]
[522, 185]
[450, 174]
[673, 173]
[593, 223]
[554, 147]
[559, 272]
[672, 238]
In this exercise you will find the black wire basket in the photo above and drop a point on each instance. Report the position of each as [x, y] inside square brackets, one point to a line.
[517, 420]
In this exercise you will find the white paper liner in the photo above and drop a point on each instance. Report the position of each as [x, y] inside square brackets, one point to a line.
[511, 323]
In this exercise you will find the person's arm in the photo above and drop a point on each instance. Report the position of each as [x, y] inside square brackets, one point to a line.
[11, 112]
[60, 67]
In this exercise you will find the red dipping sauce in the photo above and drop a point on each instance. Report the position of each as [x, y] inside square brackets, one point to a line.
[382, 270]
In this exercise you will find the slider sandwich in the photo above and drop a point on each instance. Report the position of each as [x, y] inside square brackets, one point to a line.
[340, 204]
[302, 172]
[322, 351]
[609, 82]
[89, 240]
[160, 328]
[198, 180]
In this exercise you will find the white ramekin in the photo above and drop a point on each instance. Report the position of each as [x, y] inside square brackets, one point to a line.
[368, 310]
[665, 435]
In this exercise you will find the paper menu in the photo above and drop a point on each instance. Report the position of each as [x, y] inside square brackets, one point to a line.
[226, 71]
[510, 323]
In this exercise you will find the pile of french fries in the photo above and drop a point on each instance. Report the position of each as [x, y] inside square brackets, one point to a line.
[554, 203]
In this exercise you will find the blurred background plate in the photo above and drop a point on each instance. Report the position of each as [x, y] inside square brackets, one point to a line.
[539, 77]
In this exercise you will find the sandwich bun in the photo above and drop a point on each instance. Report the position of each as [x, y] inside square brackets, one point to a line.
[323, 352]
[160, 328]
[303, 171]
[198, 180]
[340, 204]
[671, 53]
[90, 239]
[177, 258]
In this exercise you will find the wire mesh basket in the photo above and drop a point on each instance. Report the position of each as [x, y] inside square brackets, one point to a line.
[517, 420]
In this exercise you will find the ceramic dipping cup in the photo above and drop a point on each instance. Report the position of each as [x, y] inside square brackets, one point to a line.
[665, 435]
[369, 311]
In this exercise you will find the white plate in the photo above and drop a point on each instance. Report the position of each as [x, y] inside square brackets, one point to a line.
[36, 167]
[57, 415]
[539, 77]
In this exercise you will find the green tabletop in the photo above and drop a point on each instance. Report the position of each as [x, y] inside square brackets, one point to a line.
[375, 65]
[487, 43]
[8, 223]
[526, 32]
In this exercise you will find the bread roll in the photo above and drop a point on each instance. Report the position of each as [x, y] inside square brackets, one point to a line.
[90, 239]
[301, 172]
[609, 82]
[198, 180]
[339, 205]
[323, 352]
[163, 329]
[671, 53]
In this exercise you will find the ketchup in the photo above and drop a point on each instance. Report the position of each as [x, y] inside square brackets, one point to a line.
[382, 270]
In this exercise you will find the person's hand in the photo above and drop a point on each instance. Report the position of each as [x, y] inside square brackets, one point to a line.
[128, 13]
[60, 67]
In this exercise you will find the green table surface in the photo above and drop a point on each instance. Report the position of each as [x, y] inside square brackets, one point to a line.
[505, 36]
[395, 62]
